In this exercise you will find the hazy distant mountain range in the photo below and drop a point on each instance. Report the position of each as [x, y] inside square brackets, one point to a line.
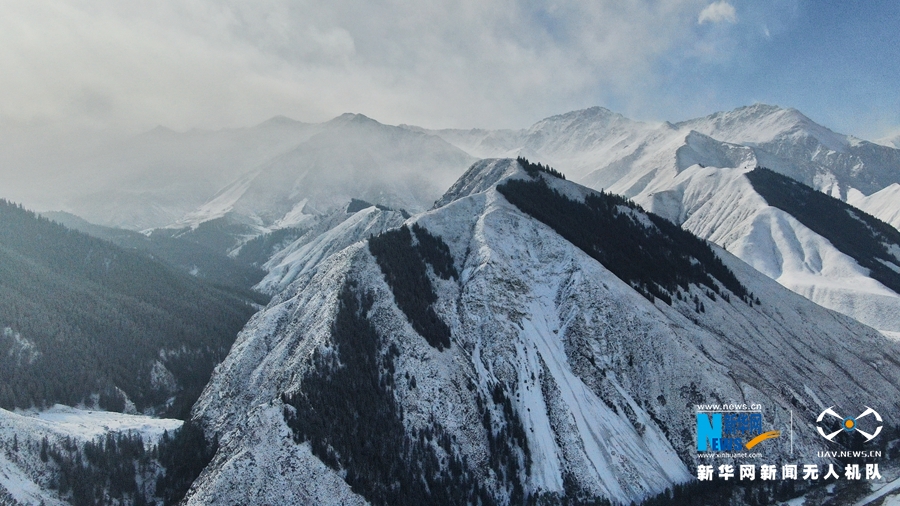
[451, 325]
[690, 172]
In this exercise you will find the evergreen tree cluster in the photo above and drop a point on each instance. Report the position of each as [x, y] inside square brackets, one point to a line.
[187, 256]
[346, 410]
[534, 168]
[573, 495]
[436, 252]
[659, 260]
[220, 235]
[118, 470]
[80, 316]
[403, 266]
[102, 472]
[184, 455]
[852, 231]
[506, 441]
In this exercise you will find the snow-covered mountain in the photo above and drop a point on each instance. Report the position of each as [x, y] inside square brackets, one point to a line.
[351, 156]
[29, 476]
[321, 241]
[577, 142]
[882, 204]
[691, 173]
[788, 142]
[163, 177]
[153, 179]
[721, 205]
[602, 148]
[477, 353]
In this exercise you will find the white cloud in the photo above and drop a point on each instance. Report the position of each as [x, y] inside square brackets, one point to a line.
[217, 63]
[718, 12]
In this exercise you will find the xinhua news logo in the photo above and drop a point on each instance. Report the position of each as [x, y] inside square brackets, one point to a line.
[731, 431]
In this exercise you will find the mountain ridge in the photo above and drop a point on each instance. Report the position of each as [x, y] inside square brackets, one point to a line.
[543, 337]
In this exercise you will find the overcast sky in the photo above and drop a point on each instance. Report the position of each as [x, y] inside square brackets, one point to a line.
[438, 63]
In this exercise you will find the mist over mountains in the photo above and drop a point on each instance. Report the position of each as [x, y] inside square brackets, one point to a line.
[457, 316]
[891, 141]
[689, 172]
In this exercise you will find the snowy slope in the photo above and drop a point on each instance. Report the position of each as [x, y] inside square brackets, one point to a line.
[689, 173]
[328, 237]
[882, 204]
[25, 478]
[788, 142]
[602, 381]
[721, 205]
[577, 142]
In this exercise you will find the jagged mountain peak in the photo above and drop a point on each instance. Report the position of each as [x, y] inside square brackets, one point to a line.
[594, 113]
[350, 118]
[596, 119]
[561, 376]
[764, 123]
[752, 112]
[481, 176]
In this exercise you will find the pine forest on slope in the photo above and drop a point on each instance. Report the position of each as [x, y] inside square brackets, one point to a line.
[80, 316]
[188, 253]
[655, 257]
[870, 241]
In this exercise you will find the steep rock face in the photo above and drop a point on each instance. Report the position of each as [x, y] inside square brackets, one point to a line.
[560, 378]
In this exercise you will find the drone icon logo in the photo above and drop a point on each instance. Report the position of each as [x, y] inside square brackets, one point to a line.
[848, 424]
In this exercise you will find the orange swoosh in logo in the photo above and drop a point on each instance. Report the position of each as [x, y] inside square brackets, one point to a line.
[762, 437]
